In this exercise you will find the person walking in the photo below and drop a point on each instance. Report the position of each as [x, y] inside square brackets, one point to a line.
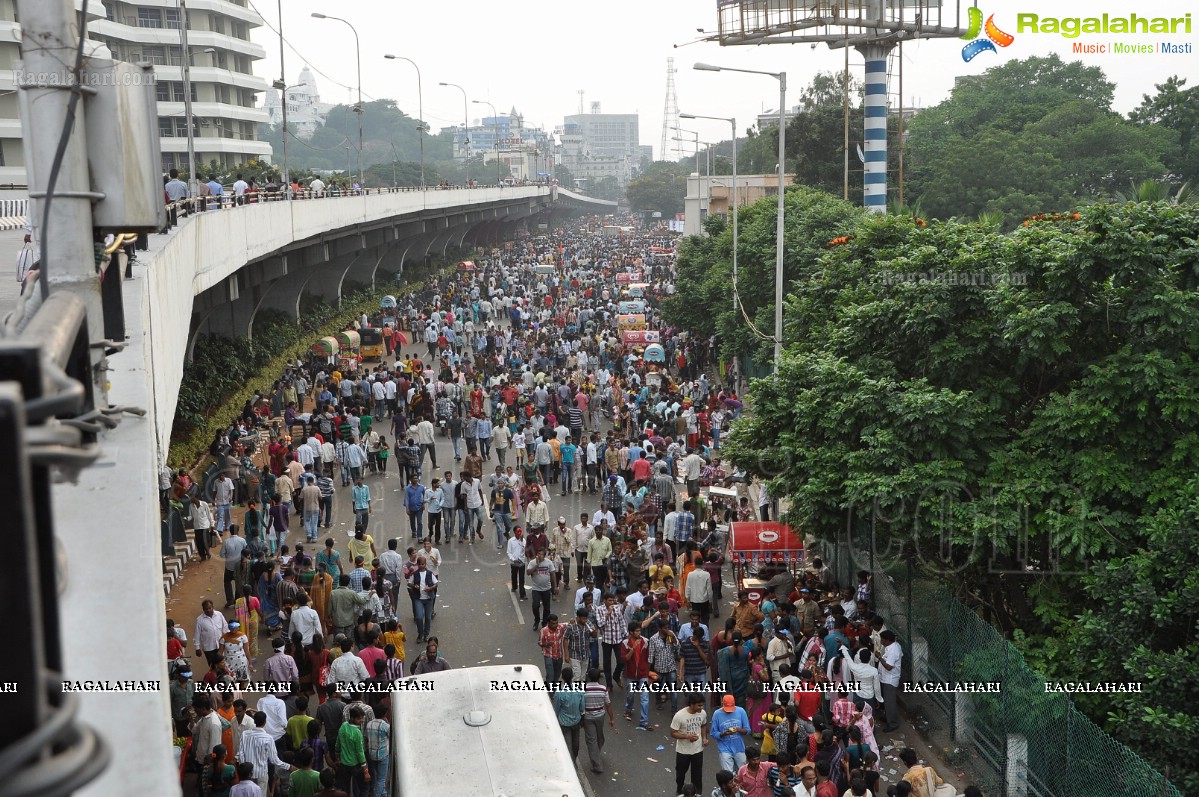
[596, 703]
[689, 729]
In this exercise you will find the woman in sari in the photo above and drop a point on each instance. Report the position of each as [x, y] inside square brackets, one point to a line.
[248, 610]
[759, 698]
[322, 586]
[267, 583]
[732, 665]
[330, 560]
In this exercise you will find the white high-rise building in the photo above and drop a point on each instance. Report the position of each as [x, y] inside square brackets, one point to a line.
[598, 145]
[224, 87]
[305, 111]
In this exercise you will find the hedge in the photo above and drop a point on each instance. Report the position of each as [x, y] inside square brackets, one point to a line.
[226, 372]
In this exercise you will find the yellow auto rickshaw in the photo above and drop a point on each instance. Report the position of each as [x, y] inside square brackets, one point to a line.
[372, 343]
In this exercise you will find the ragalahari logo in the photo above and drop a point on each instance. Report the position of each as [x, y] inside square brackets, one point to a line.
[994, 36]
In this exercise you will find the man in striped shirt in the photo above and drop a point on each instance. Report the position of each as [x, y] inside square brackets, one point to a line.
[613, 629]
[258, 749]
[596, 703]
[684, 525]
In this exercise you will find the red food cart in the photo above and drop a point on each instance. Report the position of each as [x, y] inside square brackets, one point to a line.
[755, 546]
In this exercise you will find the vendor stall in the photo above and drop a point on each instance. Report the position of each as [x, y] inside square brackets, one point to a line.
[758, 547]
[640, 337]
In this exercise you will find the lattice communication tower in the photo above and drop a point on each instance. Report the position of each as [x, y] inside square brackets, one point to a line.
[670, 115]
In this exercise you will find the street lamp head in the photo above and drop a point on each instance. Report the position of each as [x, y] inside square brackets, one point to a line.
[686, 116]
[389, 57]
[318, 15]
[443, 84]
[210, 49]
[706, 68]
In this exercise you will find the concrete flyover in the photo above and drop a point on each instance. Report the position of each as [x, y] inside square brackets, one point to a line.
[219, 268]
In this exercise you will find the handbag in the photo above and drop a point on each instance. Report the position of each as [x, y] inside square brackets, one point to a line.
[944, 790]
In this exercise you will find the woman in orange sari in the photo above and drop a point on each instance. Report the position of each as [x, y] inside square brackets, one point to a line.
[322, 586]
[248, 611]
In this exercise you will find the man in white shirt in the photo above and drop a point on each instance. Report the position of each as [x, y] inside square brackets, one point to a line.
[305, 619]
[698, 591]
[424, 438]
[239, 189]
[348, 668]
[588, 586]
[317, 186]
[583, 532]
[889, 671]
[206, 732]
[600, 515]
[211, 625]
[276, 715]
[669, 524]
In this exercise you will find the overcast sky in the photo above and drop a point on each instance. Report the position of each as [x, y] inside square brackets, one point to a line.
[537, 55]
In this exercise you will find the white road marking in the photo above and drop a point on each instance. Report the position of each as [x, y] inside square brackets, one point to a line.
[516, 607]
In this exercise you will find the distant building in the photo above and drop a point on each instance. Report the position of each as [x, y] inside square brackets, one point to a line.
[305, 111]
[714, 194]
[593, 146]
[771, 118]
[526, 151]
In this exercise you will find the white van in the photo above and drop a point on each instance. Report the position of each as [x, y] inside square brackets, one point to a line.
[479, 732]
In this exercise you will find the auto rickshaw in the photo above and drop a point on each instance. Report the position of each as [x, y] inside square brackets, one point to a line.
[372, 343]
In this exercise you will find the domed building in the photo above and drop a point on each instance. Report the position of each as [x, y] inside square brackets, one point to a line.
[304, 107]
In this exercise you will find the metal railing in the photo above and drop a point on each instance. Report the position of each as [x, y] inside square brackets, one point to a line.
[1026, 741]
[182, 208]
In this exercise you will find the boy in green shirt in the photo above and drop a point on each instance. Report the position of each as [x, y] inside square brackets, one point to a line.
[297, 726]
[353, 774]
[305, 781]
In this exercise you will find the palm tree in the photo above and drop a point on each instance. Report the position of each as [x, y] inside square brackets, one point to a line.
[1158, 191]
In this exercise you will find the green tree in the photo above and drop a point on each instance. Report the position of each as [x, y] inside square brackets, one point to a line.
[661, 187]
[1026, 412]
[1175, 108]
[1027, 137]
[703, 300]
[606, 188]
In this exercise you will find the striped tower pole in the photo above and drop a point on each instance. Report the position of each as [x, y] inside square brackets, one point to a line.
[874, 138]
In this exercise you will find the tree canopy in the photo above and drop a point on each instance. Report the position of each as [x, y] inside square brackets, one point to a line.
[661, 187]
[1021, 411]
[703, 301]
[1030, 136]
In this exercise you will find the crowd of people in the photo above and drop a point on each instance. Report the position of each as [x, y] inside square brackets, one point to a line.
[517, 363]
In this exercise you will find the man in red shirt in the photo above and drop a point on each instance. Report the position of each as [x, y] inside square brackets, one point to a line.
[634, 652]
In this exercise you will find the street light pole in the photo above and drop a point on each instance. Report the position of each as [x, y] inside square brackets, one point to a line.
[420, 104]
[495, 128]
[465, 130]
[359, 110]
[282, 86]
[193, 183]
[732, 120]
[781, 77]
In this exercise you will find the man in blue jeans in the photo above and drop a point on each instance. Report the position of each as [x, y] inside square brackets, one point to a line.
[414, 503]
[425, 583]
[634, 654]
[729, 727]
[362, 504]
[376, 737]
